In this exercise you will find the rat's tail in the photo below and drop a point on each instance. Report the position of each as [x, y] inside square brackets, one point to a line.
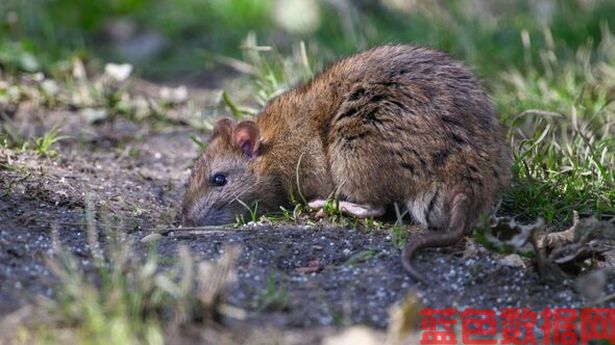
[453, 234]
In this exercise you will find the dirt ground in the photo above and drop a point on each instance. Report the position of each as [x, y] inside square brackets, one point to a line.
[138, 174]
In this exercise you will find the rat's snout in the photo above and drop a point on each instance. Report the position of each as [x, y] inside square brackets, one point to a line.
[193, 212]
[199, 213]
[187, 219]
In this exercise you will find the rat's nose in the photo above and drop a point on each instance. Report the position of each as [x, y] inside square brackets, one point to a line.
[190, 216]
[185, 220]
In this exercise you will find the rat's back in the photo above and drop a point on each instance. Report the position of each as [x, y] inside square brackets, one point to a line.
[408, 119]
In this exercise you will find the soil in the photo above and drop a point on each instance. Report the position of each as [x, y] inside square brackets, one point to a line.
[137, 173]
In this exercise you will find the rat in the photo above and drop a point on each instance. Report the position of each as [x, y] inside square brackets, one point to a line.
[393, 124]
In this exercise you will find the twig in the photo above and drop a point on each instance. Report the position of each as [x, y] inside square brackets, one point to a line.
[188, 228]
[102, 225]
[604, 299]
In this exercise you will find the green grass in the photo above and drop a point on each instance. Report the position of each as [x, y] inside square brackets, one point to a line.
[37, 34]
[252, 213]
[560, 116]
[398, 231]
[275, 297]
[43, 146]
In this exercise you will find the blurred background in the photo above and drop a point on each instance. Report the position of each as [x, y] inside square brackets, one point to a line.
[171, 40]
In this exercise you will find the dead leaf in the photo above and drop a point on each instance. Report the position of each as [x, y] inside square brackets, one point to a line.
[313, 266]
[556, 239]
[609, 259]
[508, 235]
[581, 231]
[586, 238]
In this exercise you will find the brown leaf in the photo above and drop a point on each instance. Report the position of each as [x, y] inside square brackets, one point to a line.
[507, 233]
[314, 266]
[556, 239]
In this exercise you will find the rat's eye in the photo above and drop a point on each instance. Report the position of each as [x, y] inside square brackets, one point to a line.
[218, 180]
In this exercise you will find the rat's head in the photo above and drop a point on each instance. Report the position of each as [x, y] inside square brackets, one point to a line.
[223, 177]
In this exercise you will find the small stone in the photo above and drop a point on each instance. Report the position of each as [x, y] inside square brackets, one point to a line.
[151, 238]
[357, 335]
[512, 260]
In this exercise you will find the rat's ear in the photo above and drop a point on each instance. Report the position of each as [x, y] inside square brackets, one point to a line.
[247, 137]
[223, 126]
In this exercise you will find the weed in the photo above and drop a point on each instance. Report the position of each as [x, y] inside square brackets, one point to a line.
[10, 137]
[293, 215]
[237, 113]
[372, 224]
[275, 297]
[332, 208]
[199, 143]
[361, 257]
[562, 135]
[399, 236]
[252, 210]
[43, 146]
[275, 73]
[399, 233]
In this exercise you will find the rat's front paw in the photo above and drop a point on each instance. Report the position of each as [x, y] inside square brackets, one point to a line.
[349, 208]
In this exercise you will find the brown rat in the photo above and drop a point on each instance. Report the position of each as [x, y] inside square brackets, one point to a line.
[393, 124]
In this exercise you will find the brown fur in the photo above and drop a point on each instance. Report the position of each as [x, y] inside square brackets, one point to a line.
[394, 124]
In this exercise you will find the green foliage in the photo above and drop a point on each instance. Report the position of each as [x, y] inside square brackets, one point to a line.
[54, 29]
[361, 257]
[17, 56]
[399, 233]
[43, 145]
[198, 142]
[294, 215]
[275, 297]
[252, 212]
[560, 117]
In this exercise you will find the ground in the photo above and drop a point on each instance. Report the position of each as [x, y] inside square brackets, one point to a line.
[135, 173]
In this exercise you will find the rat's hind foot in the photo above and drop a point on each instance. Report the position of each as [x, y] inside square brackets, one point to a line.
[349, 208]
